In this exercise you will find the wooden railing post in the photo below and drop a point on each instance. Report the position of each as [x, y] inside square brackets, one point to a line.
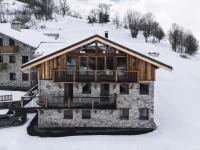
[74, 76]
[95, 75]
[115, 75]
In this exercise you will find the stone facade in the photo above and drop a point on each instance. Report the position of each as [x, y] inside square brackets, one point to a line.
[99, 118]
[24, 50]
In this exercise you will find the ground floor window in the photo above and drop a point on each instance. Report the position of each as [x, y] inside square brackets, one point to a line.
[124, 89]
[12, 59]
[124, 114]
[12, 76]
[25, 76]
[87, 88]
[86, 114]
[144, 89]
[1, 58]
[143, 113]
[68, 114]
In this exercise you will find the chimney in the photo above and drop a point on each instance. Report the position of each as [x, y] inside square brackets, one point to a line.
[16, 25]
[106, 34]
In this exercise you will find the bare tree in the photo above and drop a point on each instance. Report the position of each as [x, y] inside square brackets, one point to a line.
[147, 25]
[116, 20]
[104, 13]
[191, 44]
[176, 38]
[93, 16]
[133, 18]
[64, 7]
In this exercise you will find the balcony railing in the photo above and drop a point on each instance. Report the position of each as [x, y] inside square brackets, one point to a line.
[3, 66]
[9, 49]
[101, 102]
[95, 76]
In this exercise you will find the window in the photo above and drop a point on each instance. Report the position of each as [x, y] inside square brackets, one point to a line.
[100, 63]
[12, 59]
[11, 42]
[1, 58]
[24, 59]
[143, 113]
[124, 89]
[68, 114]
[87, 88]
[25, 76]
[71, 65]
[124, 114]
[86, 114]
[92, 63]
[1, 42]
[83, 66]
[121, 63]
[12, 76]
[110, 63]
[144, 89]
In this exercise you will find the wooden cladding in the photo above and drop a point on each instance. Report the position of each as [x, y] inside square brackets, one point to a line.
[9, 49]
[146, 71]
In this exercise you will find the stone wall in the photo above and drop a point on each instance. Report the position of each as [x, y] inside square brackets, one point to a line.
[24, 50]
[100, 118]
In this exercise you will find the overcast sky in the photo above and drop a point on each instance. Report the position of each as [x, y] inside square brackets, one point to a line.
[183, 12]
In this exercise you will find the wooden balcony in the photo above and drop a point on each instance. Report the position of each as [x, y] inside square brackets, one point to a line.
[9, 49]
[101, 102]
[95, 76]
[3, 66]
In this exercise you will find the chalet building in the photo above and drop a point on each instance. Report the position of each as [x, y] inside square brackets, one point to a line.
[96, 83]
[17, 46]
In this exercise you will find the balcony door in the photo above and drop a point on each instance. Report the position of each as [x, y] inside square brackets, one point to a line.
[68, 93]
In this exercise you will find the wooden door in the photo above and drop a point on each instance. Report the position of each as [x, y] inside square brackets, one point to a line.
[68, 93]
[105, 92]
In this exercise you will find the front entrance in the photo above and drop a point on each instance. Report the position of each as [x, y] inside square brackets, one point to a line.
[68, 93]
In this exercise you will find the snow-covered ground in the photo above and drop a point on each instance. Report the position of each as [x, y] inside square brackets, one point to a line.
[16, 94]
[176, 102]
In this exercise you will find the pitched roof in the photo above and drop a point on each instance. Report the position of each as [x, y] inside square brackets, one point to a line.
[26, 36]
[89, 40]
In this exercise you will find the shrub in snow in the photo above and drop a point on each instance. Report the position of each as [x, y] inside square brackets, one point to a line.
[181, 41]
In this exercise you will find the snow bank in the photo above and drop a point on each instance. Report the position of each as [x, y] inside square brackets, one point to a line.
[3, 111]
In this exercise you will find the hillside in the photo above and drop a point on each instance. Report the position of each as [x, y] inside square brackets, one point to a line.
[176, 98]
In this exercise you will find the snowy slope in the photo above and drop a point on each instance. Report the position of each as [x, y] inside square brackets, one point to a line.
[176, 102]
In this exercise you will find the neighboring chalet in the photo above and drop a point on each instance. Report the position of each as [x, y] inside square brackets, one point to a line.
[96, 83]
[17, 46]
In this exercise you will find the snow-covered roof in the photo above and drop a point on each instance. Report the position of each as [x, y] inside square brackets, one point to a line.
[59, 50]
[26, 36]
